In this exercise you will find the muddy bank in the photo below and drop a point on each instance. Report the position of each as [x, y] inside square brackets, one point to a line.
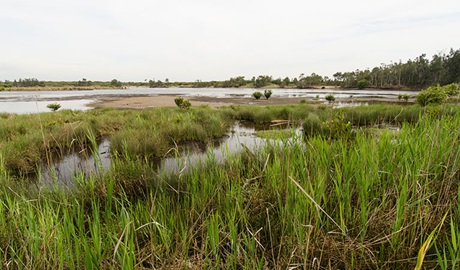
[143, 102]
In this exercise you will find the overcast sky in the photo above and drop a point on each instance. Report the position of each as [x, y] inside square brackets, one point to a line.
[215, 40]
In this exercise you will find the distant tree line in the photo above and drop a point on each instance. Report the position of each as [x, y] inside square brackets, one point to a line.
[22, 83]
[418, 73]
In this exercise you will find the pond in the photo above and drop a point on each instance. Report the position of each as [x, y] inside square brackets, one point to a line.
[63, 172]
[36, 101]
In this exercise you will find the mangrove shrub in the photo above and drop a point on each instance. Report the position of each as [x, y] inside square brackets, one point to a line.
[182, 103]
[54, 106]
[330, 98]
[267, 94]
[257, 94]
[435, 94]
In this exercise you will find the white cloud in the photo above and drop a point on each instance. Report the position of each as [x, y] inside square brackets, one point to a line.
[204, 39]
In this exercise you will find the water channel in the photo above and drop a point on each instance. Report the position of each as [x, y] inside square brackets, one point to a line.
[63, 172]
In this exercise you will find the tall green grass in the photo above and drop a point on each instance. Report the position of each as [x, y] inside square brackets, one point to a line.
[28, 140]
[366, 203]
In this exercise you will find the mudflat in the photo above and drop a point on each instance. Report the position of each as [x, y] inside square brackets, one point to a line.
[147, 101]
[143, 102]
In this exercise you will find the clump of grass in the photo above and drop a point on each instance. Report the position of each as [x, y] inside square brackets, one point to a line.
[275, 134]
[54, 106]
[357, 204]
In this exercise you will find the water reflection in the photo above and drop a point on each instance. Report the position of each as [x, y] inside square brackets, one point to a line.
[27, 107]
[28, 101]
[239, 135]
[63, 172]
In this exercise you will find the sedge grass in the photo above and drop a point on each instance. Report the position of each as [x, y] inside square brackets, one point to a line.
[372, 204]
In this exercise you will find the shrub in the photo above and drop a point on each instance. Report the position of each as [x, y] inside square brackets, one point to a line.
[267, 94]
[405, 97]
[182, 103]
[432, 95]
[115, 83]
[330, 98]
[257, 94]
[362, 84]
[54, 106]
[451, 89]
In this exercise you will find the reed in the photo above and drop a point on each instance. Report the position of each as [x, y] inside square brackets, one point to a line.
[307, 203]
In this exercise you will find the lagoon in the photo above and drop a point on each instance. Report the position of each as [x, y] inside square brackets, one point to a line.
[22, 102]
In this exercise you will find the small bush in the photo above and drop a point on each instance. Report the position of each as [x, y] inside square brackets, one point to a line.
[432, 95]
[330, 98]
[362, 84]
[182, 103]
[451, 89]
[267, 94]
[257, 94]
[404, 97]
[54, 106]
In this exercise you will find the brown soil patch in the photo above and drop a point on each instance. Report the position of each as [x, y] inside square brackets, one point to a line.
[144, 102]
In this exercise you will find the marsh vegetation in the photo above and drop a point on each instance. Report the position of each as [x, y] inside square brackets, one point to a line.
[349, 192]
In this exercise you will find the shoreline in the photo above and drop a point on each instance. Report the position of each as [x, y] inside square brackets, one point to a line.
[90, 88]
[147, 101]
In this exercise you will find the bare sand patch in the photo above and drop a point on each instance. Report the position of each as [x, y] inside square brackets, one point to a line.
[144, 102]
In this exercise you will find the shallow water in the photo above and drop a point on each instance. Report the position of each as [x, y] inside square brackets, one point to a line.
[26, 107]
[63, 173]
[28, 101]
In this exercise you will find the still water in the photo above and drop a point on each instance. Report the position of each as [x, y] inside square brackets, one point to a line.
[63, 172]
[33, 101]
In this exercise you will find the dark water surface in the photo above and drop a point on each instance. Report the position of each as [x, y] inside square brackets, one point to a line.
[64, 172]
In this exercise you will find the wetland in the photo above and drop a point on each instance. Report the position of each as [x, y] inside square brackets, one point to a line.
[360, 187]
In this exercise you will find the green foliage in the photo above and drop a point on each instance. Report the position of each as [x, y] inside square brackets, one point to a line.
[267, 94]
[451, 89]
[257, 95]
[115, 83]
[84, 82]
[309, 81]
[431, 95]
[156, 84]
[404, 97]
[261, 81]
[414, 73]
[235, 82]
[182, 103]
[314, 126]
[54, 106]
[28, 83]
[330, 98]
[362, 84]
[268, 208]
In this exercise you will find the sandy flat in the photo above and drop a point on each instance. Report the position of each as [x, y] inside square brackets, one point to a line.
[144, 102]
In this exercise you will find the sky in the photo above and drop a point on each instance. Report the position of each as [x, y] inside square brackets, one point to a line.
[137, 40]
